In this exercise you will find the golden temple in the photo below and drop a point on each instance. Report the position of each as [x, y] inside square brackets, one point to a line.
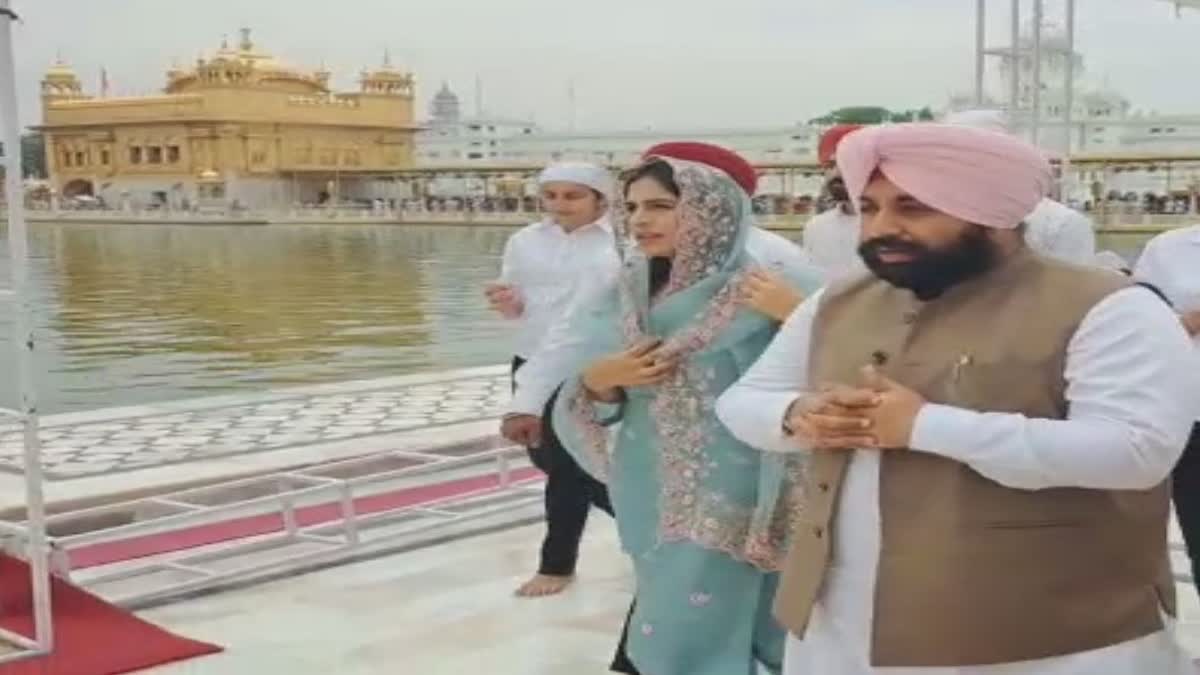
[237, 128]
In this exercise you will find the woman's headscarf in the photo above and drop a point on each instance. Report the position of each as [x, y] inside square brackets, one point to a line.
[704, 498]
[714, 220]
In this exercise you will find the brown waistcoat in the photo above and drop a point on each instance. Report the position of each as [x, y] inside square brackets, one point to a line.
[971, 572]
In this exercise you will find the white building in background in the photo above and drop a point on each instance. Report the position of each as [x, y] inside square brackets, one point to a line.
[449, 139]
[1103, 121]
[452, 140]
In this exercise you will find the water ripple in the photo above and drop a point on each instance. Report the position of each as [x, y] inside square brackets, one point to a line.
[140, 313]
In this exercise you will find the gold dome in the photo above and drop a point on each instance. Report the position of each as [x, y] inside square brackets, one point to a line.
[245, 66]
[60, 70]
[386, 79]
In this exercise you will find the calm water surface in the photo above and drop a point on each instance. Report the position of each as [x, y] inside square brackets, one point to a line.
[131, 314]
[138, 313]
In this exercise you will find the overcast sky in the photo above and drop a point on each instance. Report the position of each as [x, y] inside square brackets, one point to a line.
[636, 63]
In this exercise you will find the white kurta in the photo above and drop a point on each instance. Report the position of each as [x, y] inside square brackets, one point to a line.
[1171, 261]
[1058, 231]
[559, 354]
[831, 238]
[545, 263]
[1131, 377]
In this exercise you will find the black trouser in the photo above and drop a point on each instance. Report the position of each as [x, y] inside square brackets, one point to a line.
[1185, 489]
[570, 494]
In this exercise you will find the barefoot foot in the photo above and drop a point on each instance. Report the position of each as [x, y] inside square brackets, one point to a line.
[542, 585]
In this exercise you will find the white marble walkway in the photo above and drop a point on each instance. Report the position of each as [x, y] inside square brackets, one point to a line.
[98, 455]
[446, 610]
[124, 440]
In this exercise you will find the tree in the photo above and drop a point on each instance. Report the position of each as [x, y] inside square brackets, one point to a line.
[854, 115]
[913, 115]
[33, 155]
[872, 115]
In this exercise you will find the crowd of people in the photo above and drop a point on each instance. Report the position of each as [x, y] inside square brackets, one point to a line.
[940, 437]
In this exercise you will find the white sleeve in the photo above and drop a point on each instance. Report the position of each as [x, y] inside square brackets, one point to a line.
[782, 255]
[807, 240]
[510, 265]
[1132, 384]
[1149, 268]
[769, 249]
[753, 409]
[1077, 242]
[560, 354]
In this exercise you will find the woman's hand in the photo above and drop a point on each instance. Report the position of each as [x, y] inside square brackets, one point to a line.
[640, 365]
[769, 294]
[1191, 322]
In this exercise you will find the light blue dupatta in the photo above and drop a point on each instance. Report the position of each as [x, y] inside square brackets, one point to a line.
[702, 470]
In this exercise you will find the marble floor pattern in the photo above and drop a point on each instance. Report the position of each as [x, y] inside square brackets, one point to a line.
[446, 610]
[253, 425]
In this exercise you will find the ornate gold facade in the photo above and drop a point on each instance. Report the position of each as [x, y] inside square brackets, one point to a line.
[238, 126]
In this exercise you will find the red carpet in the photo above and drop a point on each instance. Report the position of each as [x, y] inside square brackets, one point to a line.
[250, 526]
[92, 637]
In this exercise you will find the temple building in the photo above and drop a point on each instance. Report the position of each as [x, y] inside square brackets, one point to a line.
[238, 128]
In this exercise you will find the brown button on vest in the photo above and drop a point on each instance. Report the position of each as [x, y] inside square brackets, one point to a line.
[971, 572]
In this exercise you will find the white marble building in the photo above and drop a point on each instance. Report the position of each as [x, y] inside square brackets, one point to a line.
[450, 139]
[1103, 122]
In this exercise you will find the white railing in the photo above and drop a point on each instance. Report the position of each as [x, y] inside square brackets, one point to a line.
[1116, 218]
[339, 486]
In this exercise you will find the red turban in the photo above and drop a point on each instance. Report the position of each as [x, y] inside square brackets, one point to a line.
[827, 149]
[733, 164]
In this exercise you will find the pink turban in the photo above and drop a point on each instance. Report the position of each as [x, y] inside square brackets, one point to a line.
[979, 176]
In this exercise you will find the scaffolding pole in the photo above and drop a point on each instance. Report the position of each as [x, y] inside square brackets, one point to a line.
[1035, 95]
[1014, 77]
[980, 49]
[1069, 101]
[23, 343]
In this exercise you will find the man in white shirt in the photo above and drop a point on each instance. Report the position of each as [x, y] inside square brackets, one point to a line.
[542, 267]
[1053, 229]
[990, 432]
[831, 237]
[1171, 262]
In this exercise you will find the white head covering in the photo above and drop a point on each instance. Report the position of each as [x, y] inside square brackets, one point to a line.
[992, 120]
[581, 173]
[1111, 260]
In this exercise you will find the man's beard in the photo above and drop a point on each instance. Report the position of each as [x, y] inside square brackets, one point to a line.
[931, 272]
